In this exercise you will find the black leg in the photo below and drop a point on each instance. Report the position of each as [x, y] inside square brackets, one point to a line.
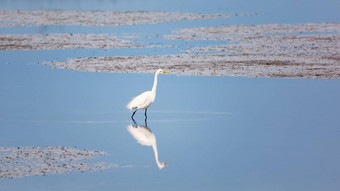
[145, 113]
[146, 122]
[133, 114]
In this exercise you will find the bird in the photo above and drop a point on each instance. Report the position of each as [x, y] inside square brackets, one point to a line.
[144, 100]
[145, 137]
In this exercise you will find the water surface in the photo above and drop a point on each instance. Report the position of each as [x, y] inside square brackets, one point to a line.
[216, 133]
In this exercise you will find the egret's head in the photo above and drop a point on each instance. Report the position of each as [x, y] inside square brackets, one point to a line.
[162, 71]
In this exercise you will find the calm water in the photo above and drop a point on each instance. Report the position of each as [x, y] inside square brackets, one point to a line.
[216, 133]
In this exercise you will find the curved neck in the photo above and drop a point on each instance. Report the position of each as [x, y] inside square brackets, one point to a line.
[154, 87]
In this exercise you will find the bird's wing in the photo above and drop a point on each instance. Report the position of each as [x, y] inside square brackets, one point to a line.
[138, 100]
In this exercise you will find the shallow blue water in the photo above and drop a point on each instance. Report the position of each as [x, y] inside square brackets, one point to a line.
[217, 133]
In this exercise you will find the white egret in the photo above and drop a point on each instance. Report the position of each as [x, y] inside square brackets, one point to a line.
[144, 100]
[145, 137]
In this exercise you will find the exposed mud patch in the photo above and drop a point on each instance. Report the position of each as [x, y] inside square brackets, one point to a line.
[16, 162]
[309, 50]
[289, 51]
[315, 45]
[12, 18]
[63, 41]
[217, 64]
[239, 32]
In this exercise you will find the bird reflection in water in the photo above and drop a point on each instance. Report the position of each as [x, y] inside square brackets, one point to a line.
[145, 137]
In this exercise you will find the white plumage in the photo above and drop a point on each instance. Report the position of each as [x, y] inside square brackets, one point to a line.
[144, 100]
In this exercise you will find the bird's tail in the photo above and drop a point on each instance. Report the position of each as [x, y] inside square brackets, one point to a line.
[129, 106]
